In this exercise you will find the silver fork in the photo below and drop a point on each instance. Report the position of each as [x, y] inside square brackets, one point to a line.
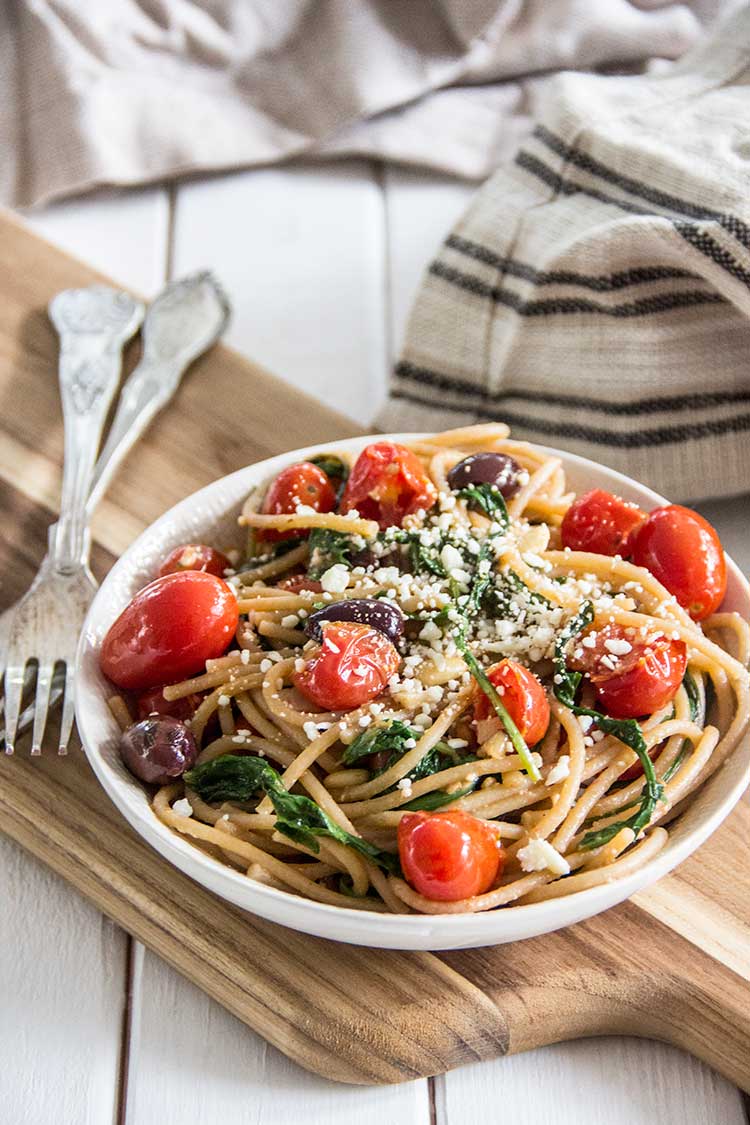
[93, 325]
[186, 318]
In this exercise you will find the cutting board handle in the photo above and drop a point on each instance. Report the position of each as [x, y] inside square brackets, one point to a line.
[621, 973]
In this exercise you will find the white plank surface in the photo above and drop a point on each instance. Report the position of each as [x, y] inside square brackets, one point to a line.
[196, 1065]
[321, 264]
[300, 252]
[591, 1082]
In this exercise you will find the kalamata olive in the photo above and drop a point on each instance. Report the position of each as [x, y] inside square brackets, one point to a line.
[487, 468]
[375, 612]
[158, 750]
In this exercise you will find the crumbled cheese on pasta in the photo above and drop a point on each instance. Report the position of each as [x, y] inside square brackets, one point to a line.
[405, 786]
[182, 807]
[617, 647]
[311, 730]
[560, 770]
[224, 700]
[291, 621]
[335, 579]
[539, 855]
[245, 656]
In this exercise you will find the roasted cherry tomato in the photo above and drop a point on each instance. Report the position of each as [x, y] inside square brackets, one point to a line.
[632, 676]
[195, 556]
[684, 553]
[387, 483]
[354, 664]
[297, 485]
[169, 630]
[294, 583]
[601, 522]
[524, 698]
[449, 856]
[152, 702]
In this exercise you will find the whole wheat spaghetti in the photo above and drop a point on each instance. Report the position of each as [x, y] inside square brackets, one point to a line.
[445, 584]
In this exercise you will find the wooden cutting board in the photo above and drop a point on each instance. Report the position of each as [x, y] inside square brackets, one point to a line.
[672, 964]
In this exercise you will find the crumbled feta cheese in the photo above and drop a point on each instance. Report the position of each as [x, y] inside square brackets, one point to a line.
[266, 665]
[457, 743]
[364, 720]
[451, 558]
[539, 855]
[245, 656]
[290, 621]
[335, 579]
[430, 632]
[311, 730]
[387, 575]
[617, 647]
[183, 807]
[224, 700]
[299, 664]
[560, 770]
[405, 786]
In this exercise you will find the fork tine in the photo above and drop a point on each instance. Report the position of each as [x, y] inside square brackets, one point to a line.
[41, 706]
[68, 711]
[14, 681]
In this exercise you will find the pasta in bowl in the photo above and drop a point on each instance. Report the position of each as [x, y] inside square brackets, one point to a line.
[421, 691]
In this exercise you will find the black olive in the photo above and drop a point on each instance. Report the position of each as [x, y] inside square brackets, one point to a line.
[375, 612]
[487, 468]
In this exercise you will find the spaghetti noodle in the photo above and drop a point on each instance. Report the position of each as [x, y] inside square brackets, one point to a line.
[456, 583]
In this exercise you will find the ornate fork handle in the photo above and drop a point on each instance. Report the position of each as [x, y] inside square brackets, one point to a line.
[93, 324]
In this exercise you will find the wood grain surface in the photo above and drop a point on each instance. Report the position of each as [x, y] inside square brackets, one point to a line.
[673, 964]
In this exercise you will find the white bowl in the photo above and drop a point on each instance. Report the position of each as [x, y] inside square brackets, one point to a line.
[210, 515]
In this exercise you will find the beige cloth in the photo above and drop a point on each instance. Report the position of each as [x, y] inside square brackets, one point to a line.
[130, 91]
[596, 295]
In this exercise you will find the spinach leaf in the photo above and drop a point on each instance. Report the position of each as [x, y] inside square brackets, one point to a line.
[566, 685]
[428, 802]
[335, 469]
[329, 547]
[234, 778]
[374, 740]
[486, 498]
[694, 704]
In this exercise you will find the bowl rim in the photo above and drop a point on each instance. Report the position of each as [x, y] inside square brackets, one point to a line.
[441, 930]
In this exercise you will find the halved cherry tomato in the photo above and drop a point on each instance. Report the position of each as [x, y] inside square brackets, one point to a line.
[300, 484]
[296, 582]
[448, 856]
[169, 630]
[152, 702]
[387, 483]
[634, 682]
[195, 556]
[684, 553]
[600, 522]
[354, 664]
[524, 698]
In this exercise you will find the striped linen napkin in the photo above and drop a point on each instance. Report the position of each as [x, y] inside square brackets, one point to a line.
[596, 295]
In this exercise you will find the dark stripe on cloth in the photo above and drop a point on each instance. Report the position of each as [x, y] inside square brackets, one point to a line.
[554, 306]
[599, 284]
[665, 435]
[423, 376]
[736, 227]
[707, 245]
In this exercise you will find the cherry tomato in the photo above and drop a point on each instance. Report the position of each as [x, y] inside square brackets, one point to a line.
[303, 483]
[524, 698]
[684, 553]
[152, 702]
[195, 556]
[354, 664]
[169, 630]
[600, 522]
[294, 583]
[634, 682]
[449, 855]
[387, 483]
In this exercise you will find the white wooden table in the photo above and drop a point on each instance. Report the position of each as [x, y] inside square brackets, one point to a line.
[321, 263]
